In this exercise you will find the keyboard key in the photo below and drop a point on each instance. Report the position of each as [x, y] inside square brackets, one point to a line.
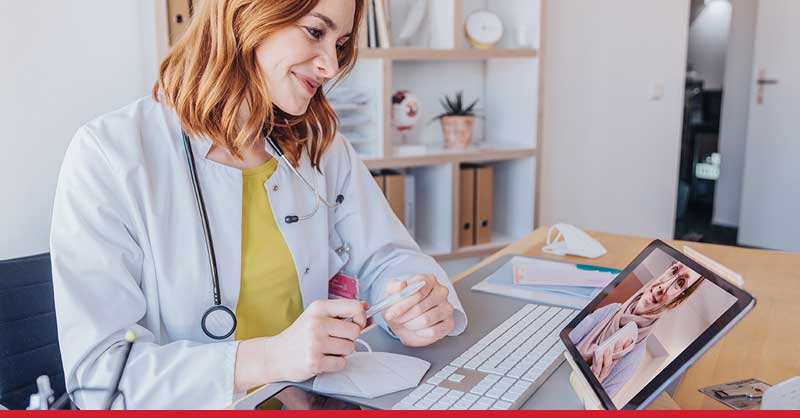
[501, 405]
[471, 397]
[462, 404]
[502, 386]
[456, 378]
[424, 404]
[478, 407]
[440, 407]
[494, 393]
[433, 397]
[516, 389]
[508, 380]
[532, 375]
[435, 380]
[473, 364]
[485, 401]
[522, 384]
[455, 394]
[493, 370]
[511, 397]
[479, 390]
[440, 391]
[420, 391]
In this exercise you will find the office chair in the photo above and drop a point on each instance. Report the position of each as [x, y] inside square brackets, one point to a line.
[28, 335]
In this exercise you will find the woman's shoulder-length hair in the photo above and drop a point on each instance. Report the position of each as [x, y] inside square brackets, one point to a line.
[213, 81]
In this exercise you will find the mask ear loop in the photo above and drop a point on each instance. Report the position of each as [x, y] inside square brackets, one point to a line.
[551, 243]
[365, 344]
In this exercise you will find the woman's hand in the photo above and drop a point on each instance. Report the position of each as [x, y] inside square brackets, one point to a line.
[422, 318]
[604, 362]
[315, 343]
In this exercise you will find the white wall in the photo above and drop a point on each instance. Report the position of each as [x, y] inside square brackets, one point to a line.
[708, 40]
[610, 153]
[63, 63]
[735, 111]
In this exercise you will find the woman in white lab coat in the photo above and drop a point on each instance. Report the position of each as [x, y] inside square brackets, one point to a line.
[128, 245]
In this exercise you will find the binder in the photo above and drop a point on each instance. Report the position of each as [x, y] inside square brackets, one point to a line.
[381, 18]
[483, 205]
[380, 181]
[180, 15]
[394, 190]
[371, 23]
[466, 231]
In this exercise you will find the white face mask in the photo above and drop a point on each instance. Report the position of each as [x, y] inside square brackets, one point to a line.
[575, 242]
[370, 374]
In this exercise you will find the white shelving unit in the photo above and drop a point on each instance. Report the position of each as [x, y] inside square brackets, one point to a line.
[506, 81]
[441, 62]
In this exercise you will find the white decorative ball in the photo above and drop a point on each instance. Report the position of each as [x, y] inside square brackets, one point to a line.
[405, 110]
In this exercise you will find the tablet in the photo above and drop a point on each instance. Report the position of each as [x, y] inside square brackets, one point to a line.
[679, 308]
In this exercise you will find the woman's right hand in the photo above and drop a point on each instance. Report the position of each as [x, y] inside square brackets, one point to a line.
[315, 343]
[604, 362]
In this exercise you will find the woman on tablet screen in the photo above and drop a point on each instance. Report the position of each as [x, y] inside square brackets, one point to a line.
[644, 309]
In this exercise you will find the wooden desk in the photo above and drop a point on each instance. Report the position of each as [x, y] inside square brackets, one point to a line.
[765, 345]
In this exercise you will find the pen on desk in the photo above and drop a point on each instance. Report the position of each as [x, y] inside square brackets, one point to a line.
[130, 337]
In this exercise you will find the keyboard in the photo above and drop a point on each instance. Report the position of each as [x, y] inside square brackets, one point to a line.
[503, 369]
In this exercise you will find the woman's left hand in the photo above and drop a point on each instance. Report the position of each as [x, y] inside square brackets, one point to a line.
[422, 318]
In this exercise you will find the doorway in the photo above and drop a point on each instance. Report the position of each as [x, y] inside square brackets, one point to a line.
[717, 85]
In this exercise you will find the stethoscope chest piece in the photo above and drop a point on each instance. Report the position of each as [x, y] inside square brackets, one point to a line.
[218, 322]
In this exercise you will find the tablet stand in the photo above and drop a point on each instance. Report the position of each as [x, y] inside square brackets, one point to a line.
[577, 380]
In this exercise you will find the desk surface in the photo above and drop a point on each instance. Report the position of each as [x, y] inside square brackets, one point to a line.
[763, 345]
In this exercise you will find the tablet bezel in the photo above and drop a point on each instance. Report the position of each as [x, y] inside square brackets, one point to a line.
[744, 303]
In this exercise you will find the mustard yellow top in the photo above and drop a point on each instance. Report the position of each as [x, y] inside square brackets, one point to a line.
[269, 299]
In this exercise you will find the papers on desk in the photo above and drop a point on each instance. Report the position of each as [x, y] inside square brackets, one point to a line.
[547, 281]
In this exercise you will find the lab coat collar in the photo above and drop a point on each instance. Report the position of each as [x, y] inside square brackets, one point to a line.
[201, 146]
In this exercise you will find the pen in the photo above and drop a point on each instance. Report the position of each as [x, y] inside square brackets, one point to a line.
[392, 299]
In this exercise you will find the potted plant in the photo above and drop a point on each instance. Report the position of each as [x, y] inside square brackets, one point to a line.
[457, 121]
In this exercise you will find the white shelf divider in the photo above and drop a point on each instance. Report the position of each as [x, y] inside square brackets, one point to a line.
[434, 208]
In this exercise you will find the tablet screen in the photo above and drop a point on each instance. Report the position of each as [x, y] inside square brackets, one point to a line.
[646, 319]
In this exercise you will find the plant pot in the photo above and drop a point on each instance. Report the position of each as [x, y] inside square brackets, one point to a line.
[457, 131]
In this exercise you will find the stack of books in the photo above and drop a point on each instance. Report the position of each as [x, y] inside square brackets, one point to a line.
[375, 30]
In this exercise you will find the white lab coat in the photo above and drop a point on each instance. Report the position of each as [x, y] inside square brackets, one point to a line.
[128, 252]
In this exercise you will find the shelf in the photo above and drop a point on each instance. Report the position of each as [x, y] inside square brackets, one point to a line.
[439, 156]
[425, 54]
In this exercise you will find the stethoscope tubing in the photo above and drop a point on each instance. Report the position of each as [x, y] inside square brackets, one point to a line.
[201, 206]
[212, 258]
[296, 218]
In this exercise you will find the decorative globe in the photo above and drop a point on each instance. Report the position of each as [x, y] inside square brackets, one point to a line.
[405, 110]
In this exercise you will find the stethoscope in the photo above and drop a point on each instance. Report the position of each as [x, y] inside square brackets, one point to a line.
[219, 322]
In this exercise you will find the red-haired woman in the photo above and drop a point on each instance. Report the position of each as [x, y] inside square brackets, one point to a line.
[231, 177]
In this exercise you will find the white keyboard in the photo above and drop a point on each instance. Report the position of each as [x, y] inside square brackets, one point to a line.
[503, 369]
